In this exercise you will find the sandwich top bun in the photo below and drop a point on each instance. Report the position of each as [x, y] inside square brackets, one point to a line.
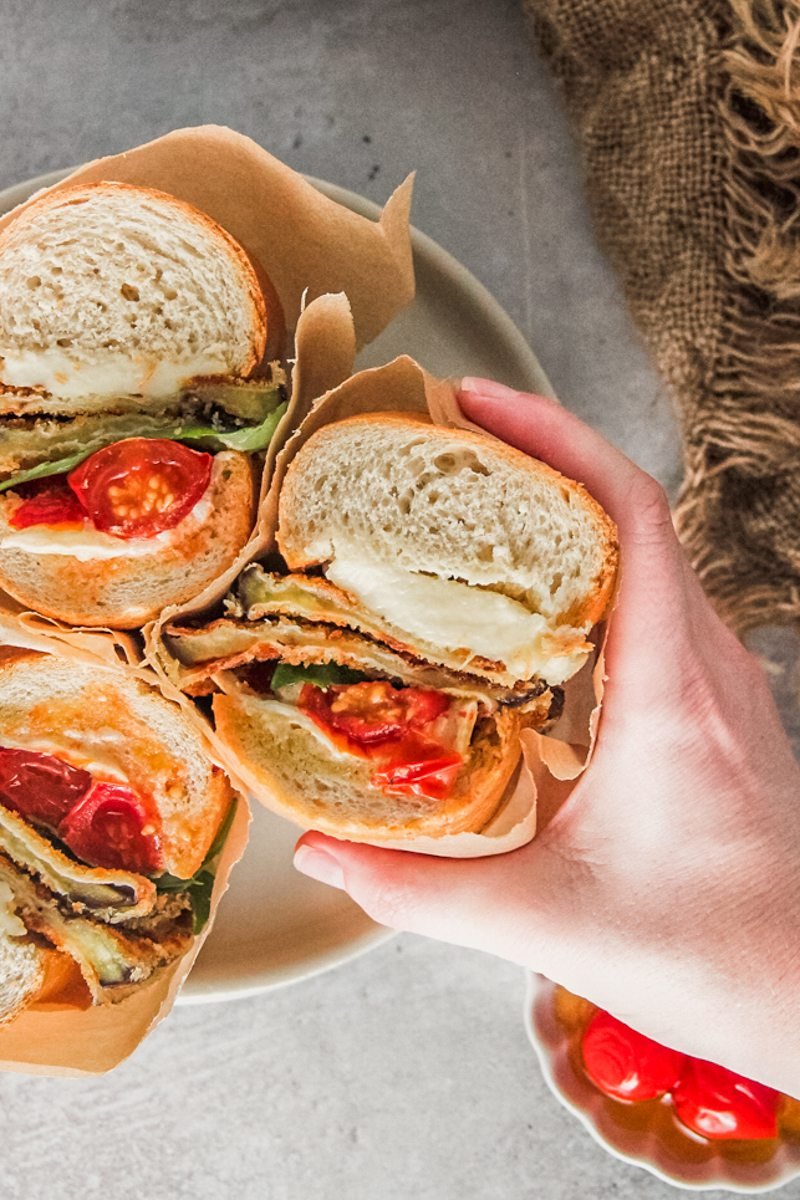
[456, 542]
[112, 290]
[114, 726]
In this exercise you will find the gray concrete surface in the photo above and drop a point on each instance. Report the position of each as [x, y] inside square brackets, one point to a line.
[408, 1073]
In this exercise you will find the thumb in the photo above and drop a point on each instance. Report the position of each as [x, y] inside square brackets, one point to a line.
[497, 904]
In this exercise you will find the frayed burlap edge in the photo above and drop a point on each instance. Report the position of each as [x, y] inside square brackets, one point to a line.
[688, 113]
[754, 430]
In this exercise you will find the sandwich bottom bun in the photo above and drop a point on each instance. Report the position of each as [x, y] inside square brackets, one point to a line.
[300, 778]
[133, 586]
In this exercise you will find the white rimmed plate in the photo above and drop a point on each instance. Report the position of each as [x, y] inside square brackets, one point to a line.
[275, 926]
[702, 1167]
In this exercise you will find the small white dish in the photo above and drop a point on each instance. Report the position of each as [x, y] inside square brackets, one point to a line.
[692, 1165]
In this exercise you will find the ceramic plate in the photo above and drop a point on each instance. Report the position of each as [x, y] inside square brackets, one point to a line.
[275, 926]
[704, 1165]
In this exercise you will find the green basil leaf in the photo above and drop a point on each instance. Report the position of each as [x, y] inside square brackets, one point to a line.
[248, 440]
[59, 466]
[171, 883]
[200, 897]
[201, 884]
[320, 674]
[220, 839]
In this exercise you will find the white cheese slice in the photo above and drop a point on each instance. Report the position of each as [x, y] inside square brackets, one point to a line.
[112, 373]
[83, 544]
[453, 615]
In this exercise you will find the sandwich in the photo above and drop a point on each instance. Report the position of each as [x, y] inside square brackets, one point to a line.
[138, 394]
[112, 819]
[434, 591]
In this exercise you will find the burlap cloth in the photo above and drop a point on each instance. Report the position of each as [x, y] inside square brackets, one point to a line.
[688, 116]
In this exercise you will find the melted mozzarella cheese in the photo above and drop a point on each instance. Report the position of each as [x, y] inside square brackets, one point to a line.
[451, 614]
[84, 544]
[112, 373]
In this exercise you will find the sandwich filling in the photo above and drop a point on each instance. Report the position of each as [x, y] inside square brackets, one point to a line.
[326, 661]
[416, 740]
[457, 616]
[80, 852]
[77, 488]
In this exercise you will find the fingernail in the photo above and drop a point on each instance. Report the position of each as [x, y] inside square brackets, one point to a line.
[319, 865]
[487, 387]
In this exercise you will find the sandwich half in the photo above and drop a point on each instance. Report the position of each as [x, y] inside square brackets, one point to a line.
[136, 401]
[111, 821]
[436, 589]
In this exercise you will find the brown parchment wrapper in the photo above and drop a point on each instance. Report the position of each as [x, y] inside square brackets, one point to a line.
[307, 243]
[60, 1037]
[549, 763]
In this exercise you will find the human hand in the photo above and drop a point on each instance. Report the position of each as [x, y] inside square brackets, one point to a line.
[666, 889]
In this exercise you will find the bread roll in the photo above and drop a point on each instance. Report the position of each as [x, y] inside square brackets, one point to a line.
[459, 578]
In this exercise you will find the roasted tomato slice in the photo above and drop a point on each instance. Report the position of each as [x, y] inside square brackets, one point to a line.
[49, 503]
[39, 787]
[420, 768]
[373, 711]
[721, 1105]
[110, 827]
[140, 486]
[625, 1064]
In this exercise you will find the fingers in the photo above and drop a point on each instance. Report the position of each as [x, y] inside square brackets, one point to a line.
[651, 603]
[488, 904]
